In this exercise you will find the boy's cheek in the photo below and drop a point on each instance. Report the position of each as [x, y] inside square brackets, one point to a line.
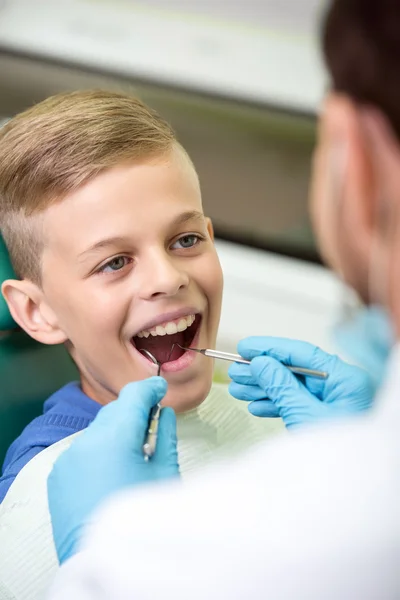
[218, 280]
[215, 291]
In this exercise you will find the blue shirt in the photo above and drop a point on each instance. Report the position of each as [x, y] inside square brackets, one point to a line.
[67, 411]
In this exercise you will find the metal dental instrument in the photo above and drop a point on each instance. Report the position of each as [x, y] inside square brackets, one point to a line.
[239, 359]
[153, 359]
[149, 446]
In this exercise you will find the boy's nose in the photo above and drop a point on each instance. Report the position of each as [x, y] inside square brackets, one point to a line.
[162, 277]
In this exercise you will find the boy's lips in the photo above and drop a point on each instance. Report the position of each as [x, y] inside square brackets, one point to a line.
[160, 347]
[184, 361]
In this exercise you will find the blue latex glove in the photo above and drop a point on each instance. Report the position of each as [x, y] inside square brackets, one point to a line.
[107, 457]
[273, 390]
[367, 338]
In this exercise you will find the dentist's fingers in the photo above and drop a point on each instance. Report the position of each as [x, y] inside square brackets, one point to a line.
[127, 417]
[273, 390]
[241, 374]
[283, 388]
[264, 408]
[143, 394]
[255, 396]
[247, 393]
[286, 351]
[274, 379]
[245, 387]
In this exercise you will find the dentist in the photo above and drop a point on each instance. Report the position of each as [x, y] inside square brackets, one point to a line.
[314, 515]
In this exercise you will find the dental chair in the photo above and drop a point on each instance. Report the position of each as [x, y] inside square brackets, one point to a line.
[29, 372]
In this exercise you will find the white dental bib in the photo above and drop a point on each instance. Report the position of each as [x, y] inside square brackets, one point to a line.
[220, 427]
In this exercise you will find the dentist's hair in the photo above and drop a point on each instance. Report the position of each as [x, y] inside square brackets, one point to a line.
[58, 145]
[361, 43]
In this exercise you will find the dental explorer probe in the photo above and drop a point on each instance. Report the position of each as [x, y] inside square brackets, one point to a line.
[149, 446]
[239, 359]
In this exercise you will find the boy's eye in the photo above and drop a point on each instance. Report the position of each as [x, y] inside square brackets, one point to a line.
[115, 264]
[187, 241]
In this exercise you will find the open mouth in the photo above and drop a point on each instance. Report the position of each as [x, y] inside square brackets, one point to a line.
[164, 340]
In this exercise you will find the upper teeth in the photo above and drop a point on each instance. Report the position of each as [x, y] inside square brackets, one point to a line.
[169, 328]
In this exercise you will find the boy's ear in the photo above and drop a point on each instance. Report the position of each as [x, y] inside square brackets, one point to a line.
[29, 309]
[210, 228]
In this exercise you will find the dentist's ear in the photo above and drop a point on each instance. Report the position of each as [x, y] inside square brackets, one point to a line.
[353, 166]
[342, 191]
[336, 171]
[385, 153]
[29, 309]
[385, 227]
[210, 228]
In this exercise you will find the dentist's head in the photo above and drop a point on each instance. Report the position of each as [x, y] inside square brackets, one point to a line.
[355, 192]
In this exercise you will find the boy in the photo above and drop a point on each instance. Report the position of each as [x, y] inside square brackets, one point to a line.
[100, 209]
[125, 262]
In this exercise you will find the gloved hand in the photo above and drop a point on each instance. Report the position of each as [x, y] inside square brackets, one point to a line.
[273, 390]
[107, 457]
[367, 338]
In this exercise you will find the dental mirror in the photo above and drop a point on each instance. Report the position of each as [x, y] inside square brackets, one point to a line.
[152, 358]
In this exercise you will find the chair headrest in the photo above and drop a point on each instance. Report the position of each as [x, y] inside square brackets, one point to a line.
[6, 272]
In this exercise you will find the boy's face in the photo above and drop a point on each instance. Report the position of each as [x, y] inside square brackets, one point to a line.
[129, 261]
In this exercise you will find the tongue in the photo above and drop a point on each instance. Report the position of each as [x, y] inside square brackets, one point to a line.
[160, 346]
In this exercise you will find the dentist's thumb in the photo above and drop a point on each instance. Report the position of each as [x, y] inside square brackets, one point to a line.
[129, 414]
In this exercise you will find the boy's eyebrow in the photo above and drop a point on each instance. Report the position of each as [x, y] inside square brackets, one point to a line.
[193, 215]
[112, 241]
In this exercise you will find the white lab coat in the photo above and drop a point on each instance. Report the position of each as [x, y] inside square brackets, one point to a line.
[309, 516]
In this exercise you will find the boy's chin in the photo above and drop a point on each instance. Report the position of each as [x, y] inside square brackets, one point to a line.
[183, 398]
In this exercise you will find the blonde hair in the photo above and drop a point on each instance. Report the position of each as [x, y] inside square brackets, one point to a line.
[53, 148]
